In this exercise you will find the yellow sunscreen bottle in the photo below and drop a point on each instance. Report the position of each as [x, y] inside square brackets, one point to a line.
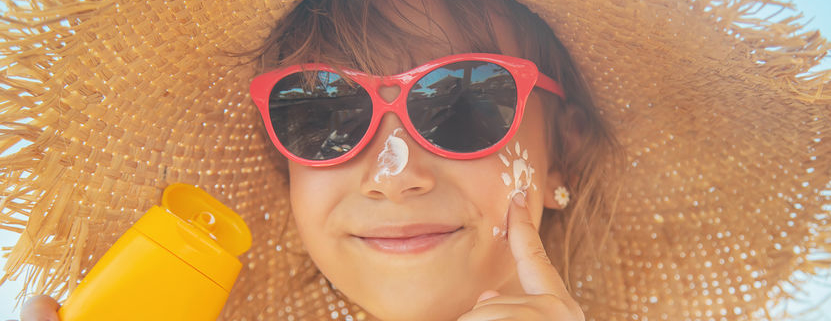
[178, 262]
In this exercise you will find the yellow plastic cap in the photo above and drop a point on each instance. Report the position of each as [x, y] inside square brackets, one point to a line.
[205, 213]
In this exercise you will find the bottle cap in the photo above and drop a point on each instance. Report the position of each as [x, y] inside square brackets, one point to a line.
[209, 215]
[200, 231]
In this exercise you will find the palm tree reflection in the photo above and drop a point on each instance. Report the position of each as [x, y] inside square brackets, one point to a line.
[319, 119]
[465, 106]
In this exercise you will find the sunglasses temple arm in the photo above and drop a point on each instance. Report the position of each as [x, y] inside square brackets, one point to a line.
[550, 85]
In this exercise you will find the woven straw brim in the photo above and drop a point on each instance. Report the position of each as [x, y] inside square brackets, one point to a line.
[728, 153]
[726, 137]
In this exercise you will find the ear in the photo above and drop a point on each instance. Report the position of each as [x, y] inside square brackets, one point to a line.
[554, 181]
[569, 128]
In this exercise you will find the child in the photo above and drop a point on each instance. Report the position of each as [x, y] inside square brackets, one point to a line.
[411, 217]
[435, 210]
[436, 229]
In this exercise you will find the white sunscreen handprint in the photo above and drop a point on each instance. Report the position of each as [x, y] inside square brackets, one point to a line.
[520, 173]
[522, 170]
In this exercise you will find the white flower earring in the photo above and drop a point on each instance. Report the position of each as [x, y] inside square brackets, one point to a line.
[561, 196]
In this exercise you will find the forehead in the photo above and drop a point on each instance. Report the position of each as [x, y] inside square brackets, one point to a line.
[433, 19]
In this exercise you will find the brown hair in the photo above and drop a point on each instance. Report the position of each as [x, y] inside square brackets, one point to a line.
[356, 34]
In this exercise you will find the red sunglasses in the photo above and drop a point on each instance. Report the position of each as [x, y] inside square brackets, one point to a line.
[460, 107]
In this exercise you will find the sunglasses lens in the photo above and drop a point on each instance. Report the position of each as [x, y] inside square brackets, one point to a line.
[319, 115]
[464, 107]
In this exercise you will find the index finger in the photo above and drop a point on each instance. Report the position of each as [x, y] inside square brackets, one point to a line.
[536, 274]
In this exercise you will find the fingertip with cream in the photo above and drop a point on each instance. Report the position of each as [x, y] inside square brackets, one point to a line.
[519, 199]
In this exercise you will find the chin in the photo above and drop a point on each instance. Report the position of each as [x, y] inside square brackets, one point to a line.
[438, 308]
[414, 298]
[439, 284]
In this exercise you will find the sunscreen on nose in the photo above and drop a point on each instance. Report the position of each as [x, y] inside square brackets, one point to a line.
[394, 157]
[178, 262]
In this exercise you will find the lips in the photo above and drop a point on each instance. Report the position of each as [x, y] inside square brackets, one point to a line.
[407, 239]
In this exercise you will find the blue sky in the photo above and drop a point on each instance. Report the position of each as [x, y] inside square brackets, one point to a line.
[819, 13]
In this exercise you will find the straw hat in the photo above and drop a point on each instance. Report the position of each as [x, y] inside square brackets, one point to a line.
[725, 194]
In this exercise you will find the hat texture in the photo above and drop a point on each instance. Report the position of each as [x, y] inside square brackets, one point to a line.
[727, 187]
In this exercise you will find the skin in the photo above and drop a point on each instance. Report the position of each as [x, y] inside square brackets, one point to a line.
[472, 275]
[331, 205]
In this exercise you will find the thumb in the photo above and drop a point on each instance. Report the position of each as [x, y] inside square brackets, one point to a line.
[536, 274]
[40, 308]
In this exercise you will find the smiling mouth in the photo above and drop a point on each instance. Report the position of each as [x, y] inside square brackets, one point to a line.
[407, 239]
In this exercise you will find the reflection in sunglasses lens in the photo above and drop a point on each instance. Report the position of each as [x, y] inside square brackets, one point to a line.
[463, 107]
[319, 115]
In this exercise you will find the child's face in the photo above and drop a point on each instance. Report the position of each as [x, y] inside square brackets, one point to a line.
[428, 237]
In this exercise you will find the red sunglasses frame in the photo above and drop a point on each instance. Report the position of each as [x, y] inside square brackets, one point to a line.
[525, 74]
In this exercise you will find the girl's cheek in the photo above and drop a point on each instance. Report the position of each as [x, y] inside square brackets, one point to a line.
[517, 175]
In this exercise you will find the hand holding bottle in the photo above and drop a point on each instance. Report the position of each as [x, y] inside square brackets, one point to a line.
[40, 308]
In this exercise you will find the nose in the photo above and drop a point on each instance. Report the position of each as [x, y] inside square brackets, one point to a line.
[396, 166]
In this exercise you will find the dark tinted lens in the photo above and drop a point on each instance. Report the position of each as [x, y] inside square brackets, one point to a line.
[463, 107]
[319, 119]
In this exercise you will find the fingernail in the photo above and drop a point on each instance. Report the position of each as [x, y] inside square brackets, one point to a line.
[519, 199]
[487, 295]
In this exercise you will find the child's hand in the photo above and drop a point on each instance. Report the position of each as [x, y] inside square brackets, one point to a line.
[40, 308]
[546, 296]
